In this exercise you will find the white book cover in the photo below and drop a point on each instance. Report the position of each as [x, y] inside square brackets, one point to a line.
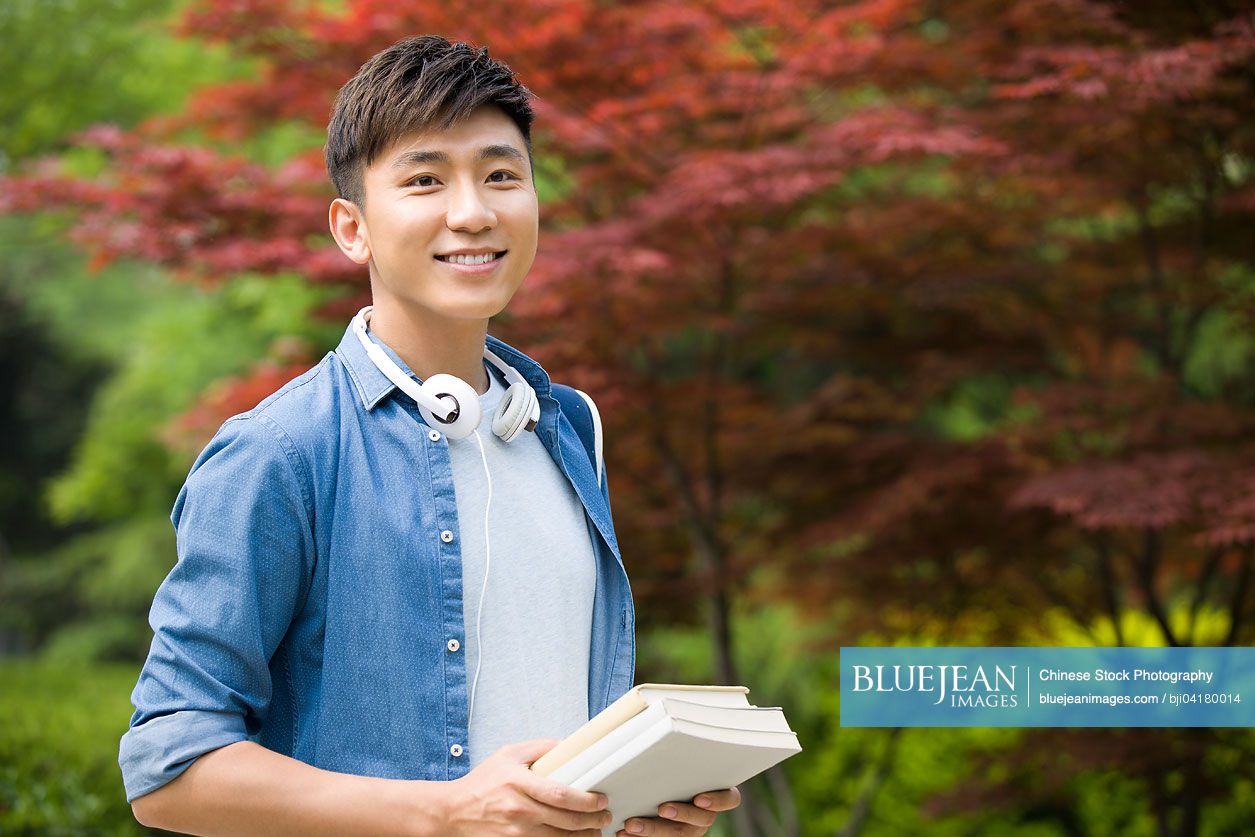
[630, 704]
[675, 759]
[732, 714]
[616, 738]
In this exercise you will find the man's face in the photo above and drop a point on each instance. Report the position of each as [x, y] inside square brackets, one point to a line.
[439, 199]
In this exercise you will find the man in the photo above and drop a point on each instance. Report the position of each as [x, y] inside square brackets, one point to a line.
[377, 599]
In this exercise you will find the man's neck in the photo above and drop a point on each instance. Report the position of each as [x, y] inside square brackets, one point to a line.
[428, 346]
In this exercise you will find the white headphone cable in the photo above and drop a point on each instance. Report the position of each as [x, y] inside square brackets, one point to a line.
[479, 612]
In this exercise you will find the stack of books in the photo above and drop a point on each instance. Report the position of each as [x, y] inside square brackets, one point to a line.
[667, 743]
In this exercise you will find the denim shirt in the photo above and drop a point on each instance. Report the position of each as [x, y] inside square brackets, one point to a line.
[318, 587]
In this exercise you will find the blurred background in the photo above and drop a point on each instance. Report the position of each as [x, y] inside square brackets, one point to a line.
[910, 323]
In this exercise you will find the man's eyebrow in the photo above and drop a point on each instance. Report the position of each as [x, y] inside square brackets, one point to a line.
[493, 152]
[488, 152]
[417, 158]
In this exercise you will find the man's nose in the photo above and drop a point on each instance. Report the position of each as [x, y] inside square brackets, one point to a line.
[469, 210]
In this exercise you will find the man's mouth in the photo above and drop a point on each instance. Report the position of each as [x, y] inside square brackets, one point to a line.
[482, 258]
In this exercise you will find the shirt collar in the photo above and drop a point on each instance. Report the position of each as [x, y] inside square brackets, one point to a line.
[373, 386]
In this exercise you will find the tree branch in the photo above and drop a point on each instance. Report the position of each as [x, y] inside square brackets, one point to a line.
[1110, 593]
[1206, 207]
[1159, 802]
[862, 807]
[1146, 568]
[1064, 603]
[783, 820]
[1204, 583]
[1158, 284]
[782, 792]
[1237, 605]
[711, 558]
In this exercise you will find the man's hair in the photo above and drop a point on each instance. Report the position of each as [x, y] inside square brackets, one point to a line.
[418, 84]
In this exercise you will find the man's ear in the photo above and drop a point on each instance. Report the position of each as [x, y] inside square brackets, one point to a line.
[348, 228]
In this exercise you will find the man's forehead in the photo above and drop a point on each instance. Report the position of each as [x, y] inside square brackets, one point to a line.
[488, 133]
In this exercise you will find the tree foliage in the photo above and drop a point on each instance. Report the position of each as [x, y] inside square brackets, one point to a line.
[931, 317]
[86, 405]
[71, 63]
[59, 747]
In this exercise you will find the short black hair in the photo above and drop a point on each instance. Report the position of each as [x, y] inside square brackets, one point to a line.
[417, 84]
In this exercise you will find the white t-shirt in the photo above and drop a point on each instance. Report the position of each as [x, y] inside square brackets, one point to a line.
[536, 625]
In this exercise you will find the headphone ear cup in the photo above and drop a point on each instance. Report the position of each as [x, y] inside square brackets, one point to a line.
[444, 386]
[517, 410]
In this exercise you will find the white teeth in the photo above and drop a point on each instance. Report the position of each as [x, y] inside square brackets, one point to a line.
[468, 260]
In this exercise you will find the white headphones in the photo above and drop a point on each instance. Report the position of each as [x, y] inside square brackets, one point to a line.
[452, 404]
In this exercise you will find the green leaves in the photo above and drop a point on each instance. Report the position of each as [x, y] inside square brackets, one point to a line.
[59, 748]
[123, 466]
[72, 63]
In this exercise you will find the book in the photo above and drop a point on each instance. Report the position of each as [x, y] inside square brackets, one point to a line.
[665, 743]
[634, 701]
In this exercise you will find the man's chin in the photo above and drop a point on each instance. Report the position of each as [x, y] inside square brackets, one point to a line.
[470, 311]
[452, 308]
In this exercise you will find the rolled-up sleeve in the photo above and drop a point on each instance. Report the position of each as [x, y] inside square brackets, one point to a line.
[243, 522]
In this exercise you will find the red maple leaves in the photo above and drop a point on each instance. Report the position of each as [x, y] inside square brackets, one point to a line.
[784, 238]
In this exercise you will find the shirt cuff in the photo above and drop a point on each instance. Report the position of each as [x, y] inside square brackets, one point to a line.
[158, 750]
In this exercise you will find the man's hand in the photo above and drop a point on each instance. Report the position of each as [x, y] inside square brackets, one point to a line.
[503, 797]
[681, 819]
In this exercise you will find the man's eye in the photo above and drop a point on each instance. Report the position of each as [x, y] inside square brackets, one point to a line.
[506, 176]
[423, 181]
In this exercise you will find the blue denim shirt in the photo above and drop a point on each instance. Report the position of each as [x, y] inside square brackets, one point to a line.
[319, 583]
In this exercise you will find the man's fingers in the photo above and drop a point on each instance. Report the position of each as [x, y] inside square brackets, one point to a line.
[545, 821]
[557, 795]
[681, 819]
[653, 827]
[685, 813]
[568, 820]
[723, 800]
[526, 752]
[551, 831]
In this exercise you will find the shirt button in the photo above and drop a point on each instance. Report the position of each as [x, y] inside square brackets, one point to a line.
[446, 536]
[455, 750]
[453, 645]
[434, 435]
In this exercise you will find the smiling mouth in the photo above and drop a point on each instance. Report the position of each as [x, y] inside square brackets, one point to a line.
[484, 258]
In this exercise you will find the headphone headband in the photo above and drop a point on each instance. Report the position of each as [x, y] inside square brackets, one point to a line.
[457, 409]
[388, 367]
